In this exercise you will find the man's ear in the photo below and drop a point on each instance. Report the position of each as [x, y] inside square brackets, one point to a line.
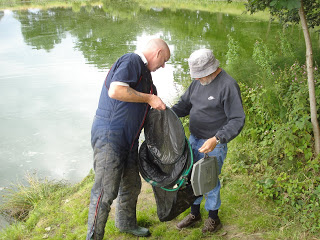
[158, 53]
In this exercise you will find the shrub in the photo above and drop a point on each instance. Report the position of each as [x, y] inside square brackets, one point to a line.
[278, 149]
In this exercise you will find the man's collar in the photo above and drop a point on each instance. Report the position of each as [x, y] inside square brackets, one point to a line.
[143, 58]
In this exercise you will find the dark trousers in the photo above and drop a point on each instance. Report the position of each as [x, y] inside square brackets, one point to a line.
[116, 175]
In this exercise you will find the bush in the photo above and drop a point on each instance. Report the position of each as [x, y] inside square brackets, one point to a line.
[278, 149]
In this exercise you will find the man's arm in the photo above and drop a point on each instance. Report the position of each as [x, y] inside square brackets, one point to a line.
[234, 111]
[235, 114]
[128, 94]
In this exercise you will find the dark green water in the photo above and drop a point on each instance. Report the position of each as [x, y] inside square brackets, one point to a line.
[53, 63]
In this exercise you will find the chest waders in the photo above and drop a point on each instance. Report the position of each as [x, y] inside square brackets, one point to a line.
[116, 176]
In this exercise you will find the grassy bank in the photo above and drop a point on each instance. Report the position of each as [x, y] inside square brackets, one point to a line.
[61, 211]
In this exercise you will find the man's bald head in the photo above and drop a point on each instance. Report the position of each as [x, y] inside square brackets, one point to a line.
[157, 43]
[157, 53]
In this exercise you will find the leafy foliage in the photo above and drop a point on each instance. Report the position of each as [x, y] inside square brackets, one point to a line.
[285, 46]
[233, 50]
[287, 10]
[263, 57]
[279, 132]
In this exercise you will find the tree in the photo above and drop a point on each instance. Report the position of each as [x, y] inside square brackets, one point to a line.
[307, 12]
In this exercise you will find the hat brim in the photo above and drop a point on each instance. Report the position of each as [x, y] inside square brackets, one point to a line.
[195, 73]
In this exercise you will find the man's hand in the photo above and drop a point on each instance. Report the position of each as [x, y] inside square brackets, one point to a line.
[208, 145]
[156, 103]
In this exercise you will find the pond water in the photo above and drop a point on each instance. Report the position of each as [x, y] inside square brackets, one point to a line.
[53, 63]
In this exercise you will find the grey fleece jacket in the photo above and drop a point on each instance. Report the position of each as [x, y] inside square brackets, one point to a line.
[215, 109]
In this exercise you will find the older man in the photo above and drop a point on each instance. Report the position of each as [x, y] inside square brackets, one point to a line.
[126, 96]
[214, 104]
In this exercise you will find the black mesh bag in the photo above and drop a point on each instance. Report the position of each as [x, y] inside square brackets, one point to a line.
[165, 161]
[164, 135]
[164, 154]
[161, 175]
[172, 204]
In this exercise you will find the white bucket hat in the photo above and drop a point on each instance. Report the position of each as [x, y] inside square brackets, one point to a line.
[202, 63]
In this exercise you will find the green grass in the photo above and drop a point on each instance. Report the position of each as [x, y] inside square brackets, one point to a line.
[20, 198]
[62, 214]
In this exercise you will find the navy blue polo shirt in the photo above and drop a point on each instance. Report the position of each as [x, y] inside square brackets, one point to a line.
[124, 118]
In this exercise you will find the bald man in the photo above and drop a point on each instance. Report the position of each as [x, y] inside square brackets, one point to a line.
[127, 94]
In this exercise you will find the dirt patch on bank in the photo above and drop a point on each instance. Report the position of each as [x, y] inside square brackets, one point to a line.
[146, 199]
